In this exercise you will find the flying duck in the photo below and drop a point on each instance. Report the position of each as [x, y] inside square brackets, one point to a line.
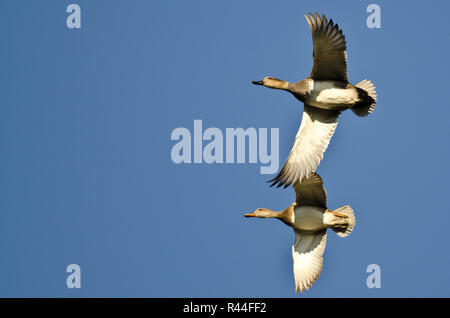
[325, 94]
[310, 219]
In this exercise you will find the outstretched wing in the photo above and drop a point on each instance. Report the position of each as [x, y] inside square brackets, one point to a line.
[311, 192]
[330, 58]
[312, 139]
[307, 254]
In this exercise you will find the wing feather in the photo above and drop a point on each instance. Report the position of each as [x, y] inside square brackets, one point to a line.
[330, 58]
[312, 139]
[307, 255]
[311, 192]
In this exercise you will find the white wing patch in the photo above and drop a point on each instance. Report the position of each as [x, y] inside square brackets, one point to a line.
[312, 139]
[307, 254]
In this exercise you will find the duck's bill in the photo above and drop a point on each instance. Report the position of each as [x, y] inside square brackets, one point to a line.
[257, 82]
[248, 215]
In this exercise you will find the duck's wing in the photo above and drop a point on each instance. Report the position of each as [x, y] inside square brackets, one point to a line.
[307, 254]
[312, 139]
[311, 192]
[330, 58]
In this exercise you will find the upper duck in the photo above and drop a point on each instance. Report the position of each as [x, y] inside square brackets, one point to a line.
[325, 94]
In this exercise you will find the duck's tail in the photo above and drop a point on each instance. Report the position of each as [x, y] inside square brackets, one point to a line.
[346, 224]
[368, 97]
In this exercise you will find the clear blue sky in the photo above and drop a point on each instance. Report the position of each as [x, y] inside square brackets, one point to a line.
[86, 175]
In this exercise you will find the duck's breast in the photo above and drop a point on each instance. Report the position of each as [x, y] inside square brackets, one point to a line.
[332, 95]
[309, 218]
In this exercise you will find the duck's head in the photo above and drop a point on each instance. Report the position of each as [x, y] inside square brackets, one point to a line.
[272, 82]
[261, 213]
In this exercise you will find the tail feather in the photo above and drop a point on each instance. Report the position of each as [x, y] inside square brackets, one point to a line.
[368, 108]
[344, 230]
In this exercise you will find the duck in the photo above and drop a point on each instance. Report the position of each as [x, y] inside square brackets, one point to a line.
[310, 218]
[326, 93]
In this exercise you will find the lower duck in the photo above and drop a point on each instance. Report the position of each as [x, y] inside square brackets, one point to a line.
[310, 218]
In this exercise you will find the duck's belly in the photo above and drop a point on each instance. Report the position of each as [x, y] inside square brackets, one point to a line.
[332, 95]
[308, 218]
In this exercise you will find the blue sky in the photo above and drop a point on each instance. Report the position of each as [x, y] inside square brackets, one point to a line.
[86, 174]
